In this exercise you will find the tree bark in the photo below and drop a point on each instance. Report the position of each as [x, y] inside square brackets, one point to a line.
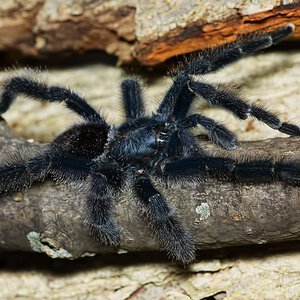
[50, 218]
[149, 32]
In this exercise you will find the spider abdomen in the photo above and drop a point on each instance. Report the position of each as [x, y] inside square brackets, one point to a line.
[84, 140]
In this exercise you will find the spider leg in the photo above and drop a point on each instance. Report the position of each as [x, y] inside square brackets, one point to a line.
[132, 99]
[281, 33]
[100, 195]
[251, 171]
[240, 108]
[178, 88]
[178, 99]
[175, 147]
[232, 52]
[18, 172]
[216, 132]
[182, 143]
[100, 203]
[40, 91]
[67, 168]
[167, 229]
[65, 159]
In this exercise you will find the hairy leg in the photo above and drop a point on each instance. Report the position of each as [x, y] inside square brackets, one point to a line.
[100, 204]
[182, 144]
[40, 91]
[131, 125]
[216, 132]
[132, 99]
[167, 229]
[178, 98]
[240, 108]
[18, 171]
[245, 45]
[249, 171]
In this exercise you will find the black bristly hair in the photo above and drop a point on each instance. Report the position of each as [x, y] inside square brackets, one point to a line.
[148, 147]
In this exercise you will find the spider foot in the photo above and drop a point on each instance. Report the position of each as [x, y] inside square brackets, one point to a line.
[107, 234]
[168, 231]
[288, 172]
[174, 239]
[282, 33]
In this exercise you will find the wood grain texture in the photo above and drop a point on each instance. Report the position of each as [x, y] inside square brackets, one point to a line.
[147, 32]
[221, 26]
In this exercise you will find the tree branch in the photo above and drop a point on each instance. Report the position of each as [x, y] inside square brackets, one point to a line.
[149, 32]
[50, 218]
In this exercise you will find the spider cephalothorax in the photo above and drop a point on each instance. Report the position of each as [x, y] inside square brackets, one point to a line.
[160, 146]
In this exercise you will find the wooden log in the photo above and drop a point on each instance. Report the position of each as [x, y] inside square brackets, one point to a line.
[149, 32]
[210, 26]
[51, 218]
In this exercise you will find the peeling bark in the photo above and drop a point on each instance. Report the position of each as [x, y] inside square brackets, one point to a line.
[204, 34]
[149, 32]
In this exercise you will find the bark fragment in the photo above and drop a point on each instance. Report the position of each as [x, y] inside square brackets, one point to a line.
[149, 32]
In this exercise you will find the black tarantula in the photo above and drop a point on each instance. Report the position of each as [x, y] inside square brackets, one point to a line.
[145, 147]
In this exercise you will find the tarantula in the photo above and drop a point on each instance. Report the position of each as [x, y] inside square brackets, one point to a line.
[144, 146]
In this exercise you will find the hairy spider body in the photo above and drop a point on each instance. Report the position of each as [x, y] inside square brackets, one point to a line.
[145, 147]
